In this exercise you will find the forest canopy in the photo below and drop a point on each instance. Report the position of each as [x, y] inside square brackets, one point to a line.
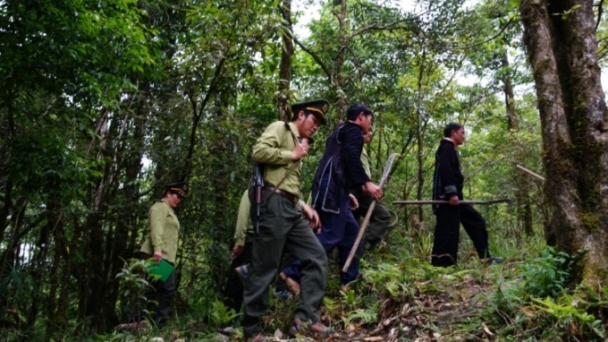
[103, 102]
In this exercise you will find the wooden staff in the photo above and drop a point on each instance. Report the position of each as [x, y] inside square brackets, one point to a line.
[368, 215]
[504, 200]
[530, 172]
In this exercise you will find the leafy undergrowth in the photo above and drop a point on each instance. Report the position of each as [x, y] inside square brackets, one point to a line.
[401, 297]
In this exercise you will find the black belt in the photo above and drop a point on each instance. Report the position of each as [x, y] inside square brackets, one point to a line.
[281, 193]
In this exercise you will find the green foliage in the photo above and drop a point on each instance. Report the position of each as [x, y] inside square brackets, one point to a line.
[549, 274]
[513, 4]
[394, 279]
[81, 48]
[569, 316]
[219, 314]
[368, 315]
[545, 275]
[133, 288]
[104, 101]
[545, 299]
[565, 13]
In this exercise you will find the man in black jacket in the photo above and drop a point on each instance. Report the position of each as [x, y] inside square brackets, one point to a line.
[447, 186]
[341, 168]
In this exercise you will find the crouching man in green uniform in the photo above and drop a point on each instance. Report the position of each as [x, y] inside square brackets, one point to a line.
[380, 221]
[282, 228]
[161, 243]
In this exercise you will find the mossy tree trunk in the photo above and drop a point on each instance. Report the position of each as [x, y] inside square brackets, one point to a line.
[285, 66]
[562, 48]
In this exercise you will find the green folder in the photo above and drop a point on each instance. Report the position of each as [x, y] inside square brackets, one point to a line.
[162, 269]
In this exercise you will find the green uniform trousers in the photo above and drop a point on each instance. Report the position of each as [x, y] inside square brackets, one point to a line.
[283, 230]
[379, 222]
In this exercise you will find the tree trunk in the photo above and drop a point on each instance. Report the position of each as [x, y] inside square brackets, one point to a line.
[340, 79]
[55, 226]
[507, 80]
[92, 272]
[420, 138]
[5, 210]
[524, 205]
[285, 67]
[562, 50]
[126, 225]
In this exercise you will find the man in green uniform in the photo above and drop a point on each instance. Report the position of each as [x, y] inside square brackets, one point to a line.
[241, 257]
[241, 254]
[161, 243]
[282, 227]
[380, 220]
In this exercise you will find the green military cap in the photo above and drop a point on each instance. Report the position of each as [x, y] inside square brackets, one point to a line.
[179, 188]
[316, 107]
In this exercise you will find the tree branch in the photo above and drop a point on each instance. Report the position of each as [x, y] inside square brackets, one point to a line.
[494, 36]
[375, 27]
[316, 58]
[198, 115]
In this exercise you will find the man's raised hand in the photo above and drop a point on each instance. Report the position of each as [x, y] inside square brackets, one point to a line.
[301, 150]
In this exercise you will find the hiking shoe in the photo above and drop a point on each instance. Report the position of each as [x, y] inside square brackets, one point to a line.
[257, 338]
[282, 294]
[493, 260]
[318, 329]
[142, 327]
[226, 330]
[292, 285]
[242, 272]
[344, 289]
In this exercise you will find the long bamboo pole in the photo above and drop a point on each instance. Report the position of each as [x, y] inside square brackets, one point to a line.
[402, 202]
[530, 172]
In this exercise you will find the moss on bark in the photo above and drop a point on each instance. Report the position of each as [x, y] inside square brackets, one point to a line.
[563, 55]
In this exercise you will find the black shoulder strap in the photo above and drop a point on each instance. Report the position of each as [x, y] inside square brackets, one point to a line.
[293, 135]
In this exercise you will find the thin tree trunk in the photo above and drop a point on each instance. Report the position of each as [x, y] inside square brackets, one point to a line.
[512, 120]
[527, 217]
[420, 138]
[524, 206]
[39, 260]
[9, 258]
[285, 66]
[5, 210]
[339, 64]
[55, 226]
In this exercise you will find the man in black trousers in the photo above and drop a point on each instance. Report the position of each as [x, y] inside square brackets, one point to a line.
[447, 186]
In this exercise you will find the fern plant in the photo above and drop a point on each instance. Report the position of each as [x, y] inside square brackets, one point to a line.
[219, 314]
[576, 322]
[368, 315]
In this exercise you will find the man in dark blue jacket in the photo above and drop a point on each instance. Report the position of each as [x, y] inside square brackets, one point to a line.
[447, 186]
[339, 169]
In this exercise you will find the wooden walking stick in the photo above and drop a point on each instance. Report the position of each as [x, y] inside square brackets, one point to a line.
[368, 215]
[402, 202]
[535, 175]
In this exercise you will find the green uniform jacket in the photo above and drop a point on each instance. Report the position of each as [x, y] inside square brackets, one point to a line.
[365, 160]
[164, 231]
[274, 150]
[243, 221]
